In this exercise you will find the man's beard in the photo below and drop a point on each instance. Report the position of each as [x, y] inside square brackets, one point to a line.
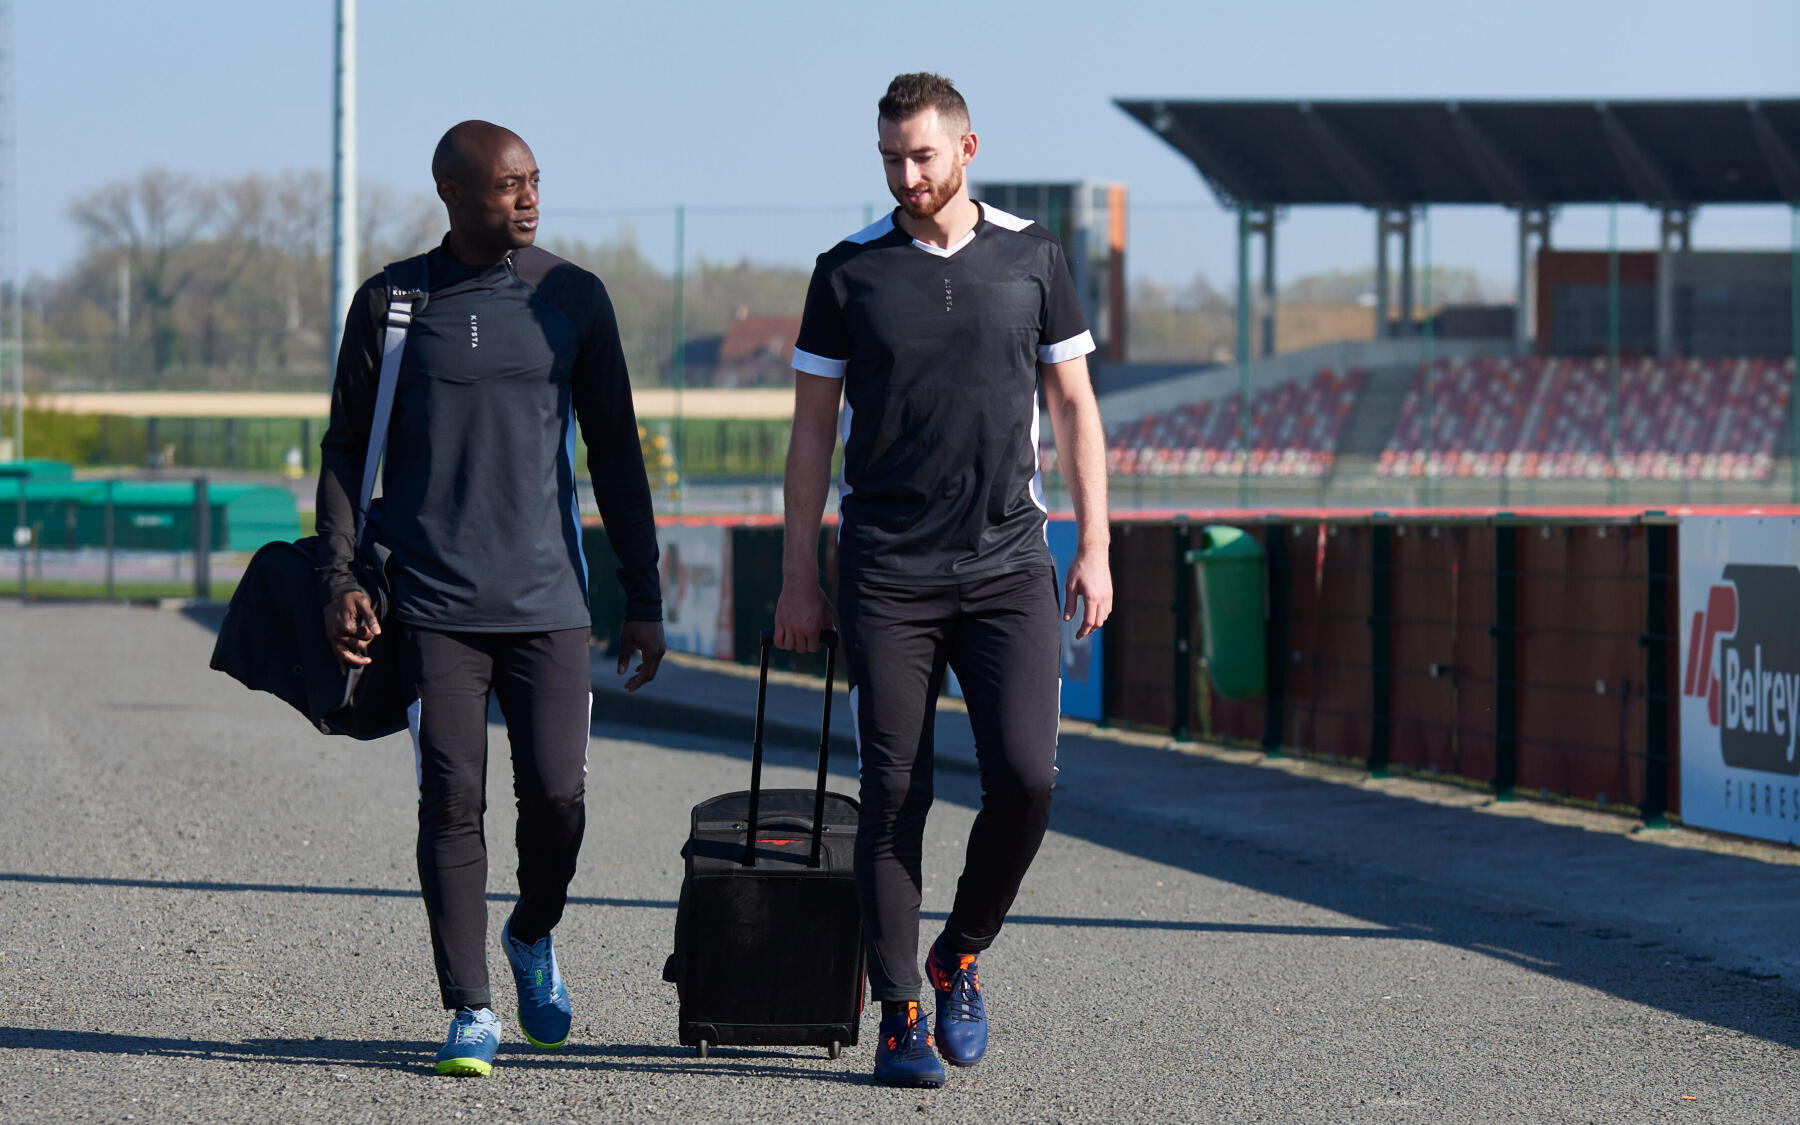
[940, 194]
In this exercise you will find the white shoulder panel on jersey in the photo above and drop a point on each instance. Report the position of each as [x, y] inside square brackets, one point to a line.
[1003, 218]
[874, 230]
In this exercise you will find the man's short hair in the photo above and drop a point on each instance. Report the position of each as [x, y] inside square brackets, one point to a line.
[911, 94]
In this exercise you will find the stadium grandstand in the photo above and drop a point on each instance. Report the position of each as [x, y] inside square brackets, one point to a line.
[1667, 367]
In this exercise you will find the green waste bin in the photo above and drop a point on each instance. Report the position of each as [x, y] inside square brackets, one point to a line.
[1231, 576]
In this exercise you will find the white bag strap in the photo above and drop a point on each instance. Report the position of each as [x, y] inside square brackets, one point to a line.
[406, 289]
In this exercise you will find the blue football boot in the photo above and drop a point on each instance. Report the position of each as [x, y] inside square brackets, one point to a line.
[962, 1030]
[469, 1048]
[903, 1056]
[544, 1009]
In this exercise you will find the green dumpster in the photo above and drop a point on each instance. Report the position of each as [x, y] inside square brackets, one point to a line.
[1230, 573]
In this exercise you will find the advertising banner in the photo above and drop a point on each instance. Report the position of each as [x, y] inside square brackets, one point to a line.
[1082, 695]
[1740, 675]
[696, 589]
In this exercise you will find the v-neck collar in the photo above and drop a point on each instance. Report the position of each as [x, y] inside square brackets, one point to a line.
[950, 251]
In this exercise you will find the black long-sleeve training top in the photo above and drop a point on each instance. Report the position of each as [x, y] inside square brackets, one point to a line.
[478, 487]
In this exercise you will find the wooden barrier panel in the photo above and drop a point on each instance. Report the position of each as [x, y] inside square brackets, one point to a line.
[1329, 675]
[1441, 649]
[1582, 594]
[1499, 650]
[1140, 638]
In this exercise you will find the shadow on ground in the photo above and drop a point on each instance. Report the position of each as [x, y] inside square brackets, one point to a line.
[1640, 968]
[413, 1056]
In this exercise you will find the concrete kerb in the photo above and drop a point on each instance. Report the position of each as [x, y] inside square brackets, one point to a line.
[717, 699]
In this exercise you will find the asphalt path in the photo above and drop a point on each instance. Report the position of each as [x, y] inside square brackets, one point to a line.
[209, 913]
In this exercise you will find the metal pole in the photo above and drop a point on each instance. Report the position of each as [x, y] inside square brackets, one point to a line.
[679, 367]
[343, 194]
[1406, 273]
[1429, 342]
[1268, 312]
[202, 541]
[1381, 274]
[9, 221]
[1522, 296]
[109, 526]
[22, 540]
[1612, 352]
[1665, 283]
[1243, 354]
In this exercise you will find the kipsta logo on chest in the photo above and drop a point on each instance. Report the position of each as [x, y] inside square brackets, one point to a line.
[474, 331]
[948, 296]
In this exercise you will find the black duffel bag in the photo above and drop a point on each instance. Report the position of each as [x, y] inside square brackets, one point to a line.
[273, 640]
[273, 636]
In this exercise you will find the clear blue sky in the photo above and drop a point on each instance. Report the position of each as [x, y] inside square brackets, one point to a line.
[631, 108]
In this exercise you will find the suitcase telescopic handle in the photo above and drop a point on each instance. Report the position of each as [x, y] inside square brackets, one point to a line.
[828, 638]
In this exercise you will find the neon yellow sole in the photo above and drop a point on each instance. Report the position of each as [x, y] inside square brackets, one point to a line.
[465, 1068]
[535, 1043]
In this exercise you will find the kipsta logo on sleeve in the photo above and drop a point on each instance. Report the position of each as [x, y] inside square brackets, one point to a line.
[1744, 660]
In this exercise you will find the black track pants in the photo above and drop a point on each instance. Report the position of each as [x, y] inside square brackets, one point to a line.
[542, 684]
[1002, 637]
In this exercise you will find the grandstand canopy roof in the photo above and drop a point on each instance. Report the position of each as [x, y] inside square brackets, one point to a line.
[1401, 154]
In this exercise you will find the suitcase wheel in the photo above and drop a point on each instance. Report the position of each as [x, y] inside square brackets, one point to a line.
[701, 1048]
[835, 1049]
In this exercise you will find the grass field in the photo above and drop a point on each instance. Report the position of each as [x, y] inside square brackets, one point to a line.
[62, 589]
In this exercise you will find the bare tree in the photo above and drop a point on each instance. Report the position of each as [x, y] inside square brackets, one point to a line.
[152, 221]
[395, 226]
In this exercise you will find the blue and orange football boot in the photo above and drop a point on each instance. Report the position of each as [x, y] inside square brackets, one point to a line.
[961, 1017]
[903, 1055]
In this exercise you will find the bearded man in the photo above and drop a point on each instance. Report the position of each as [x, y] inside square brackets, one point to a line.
[936, 327]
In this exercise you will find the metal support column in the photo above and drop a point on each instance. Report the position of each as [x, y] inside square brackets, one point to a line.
[1407, 281]
[1612, 353]
[1391, 222]
[1243, 353]
[1262, 222]
[1673, 241]
[1534, 222]
[1381, 275]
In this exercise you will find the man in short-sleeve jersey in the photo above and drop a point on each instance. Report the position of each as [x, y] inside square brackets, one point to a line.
[936, 327]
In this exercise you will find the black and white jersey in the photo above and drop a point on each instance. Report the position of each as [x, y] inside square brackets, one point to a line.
[939, 351]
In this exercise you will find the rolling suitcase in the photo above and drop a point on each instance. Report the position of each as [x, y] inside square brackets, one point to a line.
[768, 936]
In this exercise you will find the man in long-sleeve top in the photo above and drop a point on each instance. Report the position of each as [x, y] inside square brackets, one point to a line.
[509, 350]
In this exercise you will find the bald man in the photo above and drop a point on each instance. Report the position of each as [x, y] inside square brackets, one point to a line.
[511, 349]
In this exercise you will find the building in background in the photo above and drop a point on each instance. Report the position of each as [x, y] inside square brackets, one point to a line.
[1721, 303]
[1088, 218]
